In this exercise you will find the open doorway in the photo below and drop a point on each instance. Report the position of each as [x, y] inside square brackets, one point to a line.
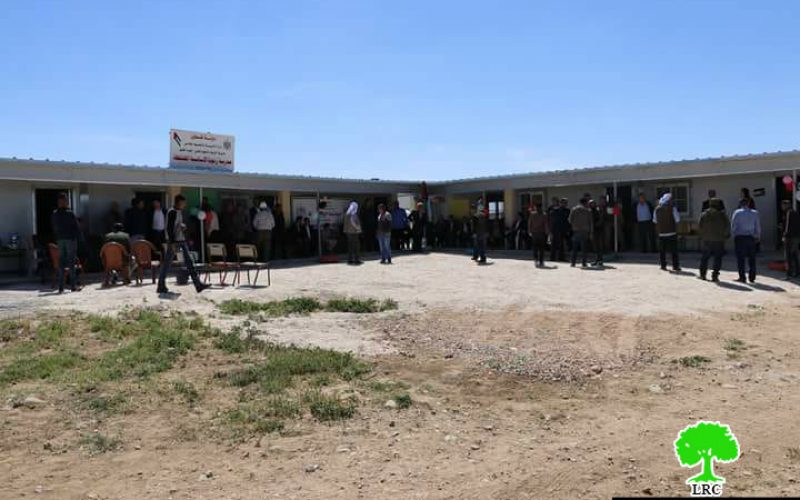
[45, 202]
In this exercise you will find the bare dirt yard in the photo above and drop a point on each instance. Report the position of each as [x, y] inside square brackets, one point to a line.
[432, 378]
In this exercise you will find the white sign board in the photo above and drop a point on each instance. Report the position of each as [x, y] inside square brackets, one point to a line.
[189, 149]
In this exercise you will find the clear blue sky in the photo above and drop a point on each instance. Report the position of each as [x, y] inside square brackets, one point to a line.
[401, 89]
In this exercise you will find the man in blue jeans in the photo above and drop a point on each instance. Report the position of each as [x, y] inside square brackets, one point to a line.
[67, 232]
[746, 230]
[384, 234]
[176, 241]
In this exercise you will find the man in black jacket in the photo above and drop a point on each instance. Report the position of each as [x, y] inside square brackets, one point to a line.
[558, 217]
[791, 239]
[176, 241]
[67, 232]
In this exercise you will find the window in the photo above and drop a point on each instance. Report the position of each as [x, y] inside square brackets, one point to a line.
[496, 210]
[680, 196]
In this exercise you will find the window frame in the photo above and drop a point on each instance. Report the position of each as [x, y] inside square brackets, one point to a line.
[670, 187]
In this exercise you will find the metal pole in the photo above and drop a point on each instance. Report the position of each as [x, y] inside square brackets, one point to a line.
[616, 221]
[795, 189]
[319, 230]
[202, 232]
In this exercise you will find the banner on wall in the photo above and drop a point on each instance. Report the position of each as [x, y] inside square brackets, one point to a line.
[188, 149]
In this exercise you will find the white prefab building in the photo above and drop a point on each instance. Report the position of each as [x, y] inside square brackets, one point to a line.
[28, 189]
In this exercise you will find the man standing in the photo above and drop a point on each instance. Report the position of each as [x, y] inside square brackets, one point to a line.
[538, 229]
[383, 230]
[67, 232]
[157, 226]
[791, 239]
[746, 229]
[558, 217]
[582, 224]
[352, 230]
[279, 233]
[136, 220]
[176, 241]
[666, 218]
[598, 231]
[264, 223]
[399, 225]
[715, 229]
[712, 194]
[418, 219]
[481, 235]
[644, 223]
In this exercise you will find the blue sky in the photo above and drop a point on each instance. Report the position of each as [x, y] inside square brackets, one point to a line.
[409, 89]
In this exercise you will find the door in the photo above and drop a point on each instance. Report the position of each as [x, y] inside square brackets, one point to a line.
[45, 202]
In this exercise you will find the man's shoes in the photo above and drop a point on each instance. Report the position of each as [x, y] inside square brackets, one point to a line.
[676, 269]
[60, 289]
[703, 277]
[202, 287]
[383, 261]
[162, 290]
[715, 278]
[77, 288]
[482, 261]
[663, 268]
[389, 261]
[753, 279]
[572, 265]
[741, 280]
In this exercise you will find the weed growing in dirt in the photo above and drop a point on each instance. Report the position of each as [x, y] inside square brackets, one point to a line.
[403, 401]
[304, 306]
[103, 404]
[12, 329]
[286, 307]
[734, 344]
[326, 408]
[186, 390]
[361, 306]
[97, 443]
[694, 361]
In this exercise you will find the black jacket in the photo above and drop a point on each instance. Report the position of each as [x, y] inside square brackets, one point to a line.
[65, 225]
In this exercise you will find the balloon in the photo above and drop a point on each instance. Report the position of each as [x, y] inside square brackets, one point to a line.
[201, 215]
[787, 179]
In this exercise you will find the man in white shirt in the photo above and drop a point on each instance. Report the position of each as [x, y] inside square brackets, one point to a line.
[157, 226]
[264, 223]
[644, 224]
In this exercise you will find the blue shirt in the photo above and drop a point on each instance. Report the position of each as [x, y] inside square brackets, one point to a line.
[399, 218]
[643, 212]
[745, 222]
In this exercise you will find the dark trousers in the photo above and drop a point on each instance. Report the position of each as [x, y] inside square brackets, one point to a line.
[167, 263]
[278, 244]
[353, 248]
[67, 253]
[669, 244]
[790, 252]
[580, 241]
[599, 245]
[539, 242]
[479, 249]
[645, 230]
[714, 249]
[416, 237]
[264, 245]
[745, 254]
[557, 246]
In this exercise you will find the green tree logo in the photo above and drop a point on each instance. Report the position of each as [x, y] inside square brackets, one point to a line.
[706, 442]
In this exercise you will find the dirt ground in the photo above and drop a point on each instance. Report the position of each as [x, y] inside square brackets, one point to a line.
[526, 384]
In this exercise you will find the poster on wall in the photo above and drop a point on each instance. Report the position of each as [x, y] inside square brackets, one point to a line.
[332, 214]
[203, 150]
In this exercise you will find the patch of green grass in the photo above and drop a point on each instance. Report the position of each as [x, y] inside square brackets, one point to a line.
[13, 329]
[261, 417]
[734, 344]
[152, 352]
[97, 443]
[39, 366]
[286, 307]
[695, 361]
[50, 333]
[403, 401]
[233, 343]
[359, 305]
[186, 390]
[327, 408]
[284, 363]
